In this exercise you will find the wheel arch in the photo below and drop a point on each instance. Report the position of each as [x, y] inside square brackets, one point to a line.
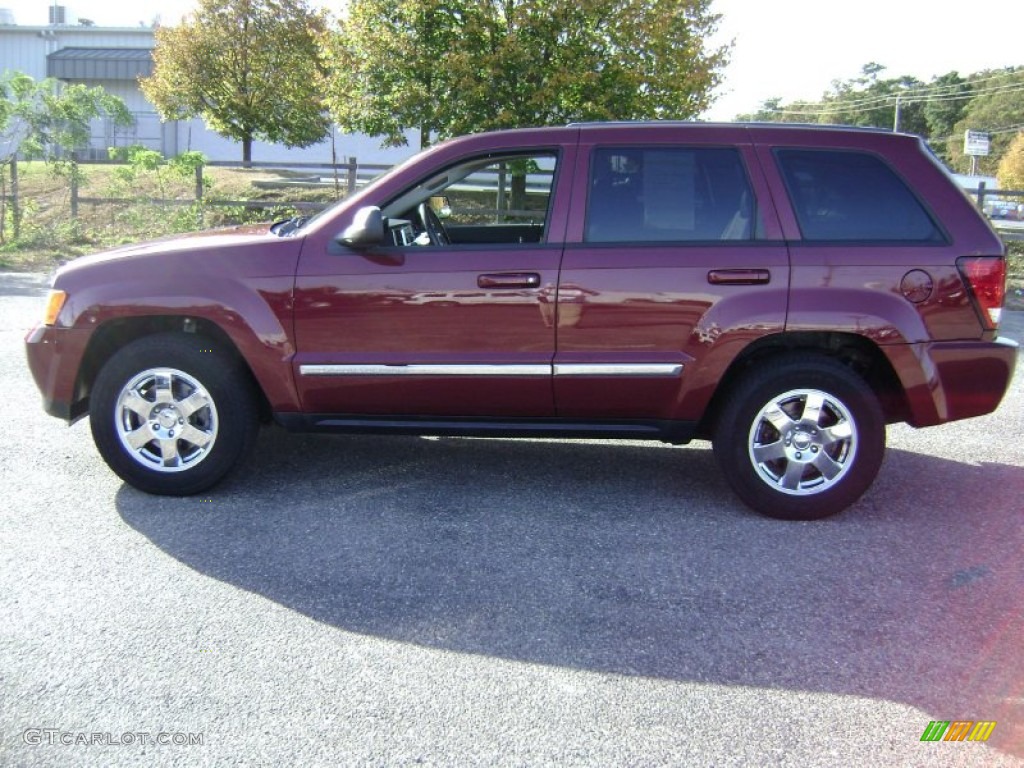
[856, 352]
[116, 333]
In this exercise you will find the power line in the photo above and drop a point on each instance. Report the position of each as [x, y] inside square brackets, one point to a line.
[907, 96]
[855, 107]
[864, 105]
[943, 89]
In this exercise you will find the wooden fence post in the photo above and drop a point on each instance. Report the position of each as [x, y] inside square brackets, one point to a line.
[199, 183]
[74, 193]
[353, 169]
[15, 206]
[199, 196]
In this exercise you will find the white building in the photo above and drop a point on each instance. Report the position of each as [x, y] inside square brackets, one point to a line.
[116, 58]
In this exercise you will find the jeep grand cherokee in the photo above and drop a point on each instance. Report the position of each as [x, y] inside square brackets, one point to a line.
[783, 291]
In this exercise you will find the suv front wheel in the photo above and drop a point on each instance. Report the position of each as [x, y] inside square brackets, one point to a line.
[800, 438]
[172, 415]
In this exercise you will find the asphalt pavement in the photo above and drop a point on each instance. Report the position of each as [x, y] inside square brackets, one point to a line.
[412, 601]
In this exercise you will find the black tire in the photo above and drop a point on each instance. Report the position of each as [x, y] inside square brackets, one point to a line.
[197, 405]
[801, 437]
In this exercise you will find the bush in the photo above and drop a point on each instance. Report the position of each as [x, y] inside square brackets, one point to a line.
[1015, 258]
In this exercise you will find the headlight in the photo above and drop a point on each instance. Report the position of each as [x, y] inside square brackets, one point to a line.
[54, 304]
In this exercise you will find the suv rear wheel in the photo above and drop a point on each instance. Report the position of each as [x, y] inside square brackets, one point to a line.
[172, 415]
[800, 438]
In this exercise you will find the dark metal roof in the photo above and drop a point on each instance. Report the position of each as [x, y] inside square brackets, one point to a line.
[100, 63]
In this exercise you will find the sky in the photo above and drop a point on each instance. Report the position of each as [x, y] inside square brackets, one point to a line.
[792, 49]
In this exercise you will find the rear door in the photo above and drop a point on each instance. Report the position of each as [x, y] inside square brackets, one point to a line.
[673, 252]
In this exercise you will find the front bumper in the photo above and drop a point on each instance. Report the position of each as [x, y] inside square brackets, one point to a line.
[55, 360]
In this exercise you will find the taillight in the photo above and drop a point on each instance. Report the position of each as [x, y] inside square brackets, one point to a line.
[985, 276]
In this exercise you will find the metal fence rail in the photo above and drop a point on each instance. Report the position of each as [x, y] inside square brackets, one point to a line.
[1004, 209]
[348, 177]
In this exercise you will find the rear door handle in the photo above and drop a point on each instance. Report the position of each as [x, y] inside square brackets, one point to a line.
[509, 280]
[739, 276]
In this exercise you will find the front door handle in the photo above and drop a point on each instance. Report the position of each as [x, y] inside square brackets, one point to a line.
[739, 276]
[509, 280]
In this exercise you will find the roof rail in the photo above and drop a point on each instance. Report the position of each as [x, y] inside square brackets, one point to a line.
[734, 124]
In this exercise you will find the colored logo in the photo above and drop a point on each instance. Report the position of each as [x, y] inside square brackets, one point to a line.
[958, 730]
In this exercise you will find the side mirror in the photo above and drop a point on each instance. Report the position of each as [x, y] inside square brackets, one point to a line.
[366, 229]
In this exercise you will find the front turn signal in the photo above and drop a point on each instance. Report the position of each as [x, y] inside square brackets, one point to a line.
[54, 304]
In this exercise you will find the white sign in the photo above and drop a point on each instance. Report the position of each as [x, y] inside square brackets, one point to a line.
[975, 143]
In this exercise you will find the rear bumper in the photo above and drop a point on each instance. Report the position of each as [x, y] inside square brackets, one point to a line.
[54, 358]
[951, 380]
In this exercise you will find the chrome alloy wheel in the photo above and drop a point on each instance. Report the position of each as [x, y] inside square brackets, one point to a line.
[166, 420]
[803, 442]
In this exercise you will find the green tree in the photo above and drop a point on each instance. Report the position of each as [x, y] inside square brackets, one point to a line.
[48, 120]
[997, 106]
[872, 101]
[1011, 167]
[946, 107]
[931, 110]
[941, 111]
[448, 67]
[866, 100]
[251, 69]
[774, 111]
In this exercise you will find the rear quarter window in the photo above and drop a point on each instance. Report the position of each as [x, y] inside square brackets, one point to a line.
[847, 196]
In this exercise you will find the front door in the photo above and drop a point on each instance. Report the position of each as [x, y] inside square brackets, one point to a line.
[453, 316]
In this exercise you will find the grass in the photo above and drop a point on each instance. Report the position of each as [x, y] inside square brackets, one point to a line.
[50, 236]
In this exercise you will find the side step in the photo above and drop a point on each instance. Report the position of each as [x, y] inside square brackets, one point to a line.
[675, 432]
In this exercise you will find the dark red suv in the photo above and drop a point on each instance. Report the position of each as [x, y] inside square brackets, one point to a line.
[783, 291]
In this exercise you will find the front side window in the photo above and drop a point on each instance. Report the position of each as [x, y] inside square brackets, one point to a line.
[489, 200]
[668, 194]
[846, 196]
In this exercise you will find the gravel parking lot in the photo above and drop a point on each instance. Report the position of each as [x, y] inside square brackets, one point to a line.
[409, 601]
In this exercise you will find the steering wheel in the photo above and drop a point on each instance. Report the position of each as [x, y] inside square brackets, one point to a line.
[432, 225]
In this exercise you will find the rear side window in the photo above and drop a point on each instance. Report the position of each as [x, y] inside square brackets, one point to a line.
[852, 197]
[668, 194]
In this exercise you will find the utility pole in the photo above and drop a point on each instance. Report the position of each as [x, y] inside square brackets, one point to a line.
[896, 119]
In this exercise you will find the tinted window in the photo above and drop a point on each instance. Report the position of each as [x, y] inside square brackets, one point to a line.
[668, 195]
[852, 196]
